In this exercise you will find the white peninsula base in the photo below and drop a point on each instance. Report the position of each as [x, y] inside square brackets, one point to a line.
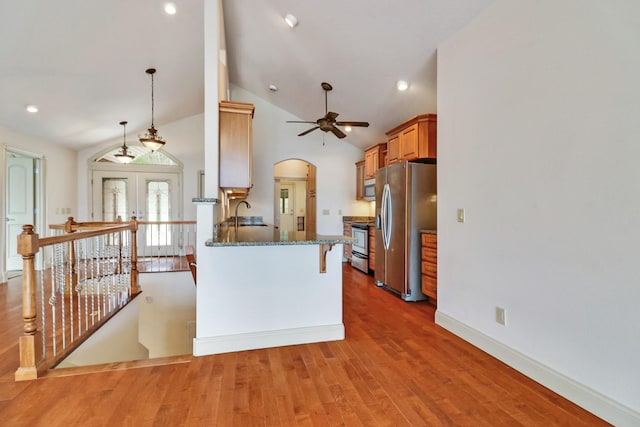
[267, 296]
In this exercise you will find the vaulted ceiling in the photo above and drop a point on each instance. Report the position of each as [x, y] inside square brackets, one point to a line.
[83, 63]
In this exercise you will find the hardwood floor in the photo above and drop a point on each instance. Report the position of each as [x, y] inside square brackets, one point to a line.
[395, 367]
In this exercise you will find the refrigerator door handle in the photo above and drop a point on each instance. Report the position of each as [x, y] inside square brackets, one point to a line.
[389, 211]
[386, 229]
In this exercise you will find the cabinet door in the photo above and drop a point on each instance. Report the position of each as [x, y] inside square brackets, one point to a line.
[360, 168]
[409, 143]
[346, 228]
[372, 248]
[371, 158]
[235, 144]
[393, 150]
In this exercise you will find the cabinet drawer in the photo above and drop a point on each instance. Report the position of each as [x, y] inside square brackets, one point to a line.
[429, 283]
[429, 254]
[430, 240]
[429, 268]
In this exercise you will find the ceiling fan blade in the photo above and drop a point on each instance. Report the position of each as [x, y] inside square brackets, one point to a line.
[308, 130]
[331, 116]
[361, 124]
[297, 121]
[337, 132]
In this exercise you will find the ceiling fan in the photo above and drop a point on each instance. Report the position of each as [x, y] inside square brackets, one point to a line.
[328, 123]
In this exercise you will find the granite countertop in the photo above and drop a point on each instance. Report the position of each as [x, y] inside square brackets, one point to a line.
[270, 236]
[429, 231]
[361, 219]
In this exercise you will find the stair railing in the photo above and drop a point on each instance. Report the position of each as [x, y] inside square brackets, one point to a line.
[88, 275]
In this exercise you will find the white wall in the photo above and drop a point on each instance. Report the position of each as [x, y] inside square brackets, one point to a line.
[60, 164]
[274, 141]
[115, 341]
[538, 105]
[185, 141]
[167, 312]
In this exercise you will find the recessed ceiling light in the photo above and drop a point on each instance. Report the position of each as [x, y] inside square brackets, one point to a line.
[347, 128]
[273, 88]
[402, 85]
[32, 108]
[291, 20]
[170, 8]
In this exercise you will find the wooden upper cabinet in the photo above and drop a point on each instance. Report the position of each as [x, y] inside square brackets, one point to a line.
[374, 158]
[360, 168]
[409, 146]
[393, 150]
[414, 139]
[236, 145]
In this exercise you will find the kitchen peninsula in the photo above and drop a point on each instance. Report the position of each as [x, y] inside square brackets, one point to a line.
[271, 289]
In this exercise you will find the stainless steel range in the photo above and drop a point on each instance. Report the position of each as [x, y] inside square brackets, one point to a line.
[360, 247]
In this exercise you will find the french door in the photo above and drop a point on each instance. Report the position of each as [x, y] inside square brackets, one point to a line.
[148, 196]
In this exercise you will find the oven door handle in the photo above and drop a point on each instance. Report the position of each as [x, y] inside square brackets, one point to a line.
[359, 255]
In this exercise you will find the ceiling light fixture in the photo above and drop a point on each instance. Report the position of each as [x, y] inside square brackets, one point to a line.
[124, 157]
[273, 88]
[402, 85]
[170, 8]
[291, 20]
[150, 139]
[32, 108]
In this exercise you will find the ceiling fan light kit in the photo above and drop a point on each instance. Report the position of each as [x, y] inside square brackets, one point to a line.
[328, 122]
[150, 139]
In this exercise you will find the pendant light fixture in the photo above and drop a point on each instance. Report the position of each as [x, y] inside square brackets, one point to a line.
[124, 157]
[150, 139]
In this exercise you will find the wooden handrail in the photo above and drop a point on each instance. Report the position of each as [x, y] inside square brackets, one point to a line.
[76, 235]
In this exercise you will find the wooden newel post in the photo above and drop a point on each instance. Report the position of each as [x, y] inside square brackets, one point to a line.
[71, 277]
[134, 256]
[31, 341]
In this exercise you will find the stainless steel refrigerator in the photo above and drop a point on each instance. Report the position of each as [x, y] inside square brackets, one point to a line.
[406, 202]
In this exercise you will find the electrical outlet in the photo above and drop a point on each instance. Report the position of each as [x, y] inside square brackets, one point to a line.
[460, 215]
[501, 316]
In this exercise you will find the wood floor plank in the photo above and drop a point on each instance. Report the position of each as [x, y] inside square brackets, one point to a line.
[395, 368]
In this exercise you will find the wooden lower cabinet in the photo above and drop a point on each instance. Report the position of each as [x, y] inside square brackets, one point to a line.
[372, 248]
[346, 231]
[430, 266]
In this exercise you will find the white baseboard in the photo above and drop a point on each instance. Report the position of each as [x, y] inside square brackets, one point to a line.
[591, 400]
[266, 339]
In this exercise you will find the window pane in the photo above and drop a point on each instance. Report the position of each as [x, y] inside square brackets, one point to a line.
[158, 209]
[114, 199]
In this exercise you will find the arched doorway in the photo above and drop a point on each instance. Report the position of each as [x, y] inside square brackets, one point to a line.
[294, 195]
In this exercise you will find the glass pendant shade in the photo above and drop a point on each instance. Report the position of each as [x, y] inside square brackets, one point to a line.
[150, 139]
[124, 156]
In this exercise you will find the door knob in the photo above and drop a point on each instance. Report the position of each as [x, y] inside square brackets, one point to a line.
[9, 219]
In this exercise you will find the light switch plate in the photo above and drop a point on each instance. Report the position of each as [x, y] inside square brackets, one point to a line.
[460, 215]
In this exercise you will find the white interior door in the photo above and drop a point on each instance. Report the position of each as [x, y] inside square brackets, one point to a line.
[20, 204]
[287, 206]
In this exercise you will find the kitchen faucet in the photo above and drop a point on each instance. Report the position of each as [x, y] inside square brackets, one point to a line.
[237, 206]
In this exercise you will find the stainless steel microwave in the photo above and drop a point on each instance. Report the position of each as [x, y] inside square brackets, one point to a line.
[370, 189]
